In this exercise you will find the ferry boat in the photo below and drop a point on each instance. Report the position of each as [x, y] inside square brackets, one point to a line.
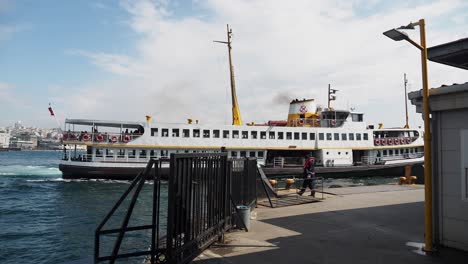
[340, 140]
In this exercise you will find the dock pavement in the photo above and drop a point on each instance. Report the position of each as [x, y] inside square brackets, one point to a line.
[367, 224]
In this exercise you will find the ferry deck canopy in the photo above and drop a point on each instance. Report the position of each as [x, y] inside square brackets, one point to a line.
[88, 122]
[453, 53]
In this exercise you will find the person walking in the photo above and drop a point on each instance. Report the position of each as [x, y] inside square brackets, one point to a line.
[309, 176]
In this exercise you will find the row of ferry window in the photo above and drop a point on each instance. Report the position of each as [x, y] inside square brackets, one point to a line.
[132, 153]
[206, 133]
[399, 151]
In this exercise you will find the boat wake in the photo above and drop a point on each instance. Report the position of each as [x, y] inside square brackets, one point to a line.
[78, 180]
[21, 171]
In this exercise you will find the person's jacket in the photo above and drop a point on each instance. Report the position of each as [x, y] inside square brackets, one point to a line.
[309, 168]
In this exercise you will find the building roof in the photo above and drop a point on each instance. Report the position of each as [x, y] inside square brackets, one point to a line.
[453, 53]
[446, 97]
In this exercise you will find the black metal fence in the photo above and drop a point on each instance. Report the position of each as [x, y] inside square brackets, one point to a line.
[203, 192]
[198, 210]
[244, 181]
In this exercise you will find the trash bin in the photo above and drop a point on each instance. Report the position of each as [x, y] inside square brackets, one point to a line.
[244, 215]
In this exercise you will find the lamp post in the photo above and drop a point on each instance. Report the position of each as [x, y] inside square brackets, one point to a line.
[398, 35]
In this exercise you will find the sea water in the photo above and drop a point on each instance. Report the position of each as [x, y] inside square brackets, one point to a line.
[46, 219]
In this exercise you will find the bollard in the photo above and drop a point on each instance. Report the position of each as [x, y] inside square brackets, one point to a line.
[289, 182]
[402, 180]
[412, 179]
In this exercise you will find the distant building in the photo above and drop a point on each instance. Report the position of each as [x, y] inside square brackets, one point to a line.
[24, 140]
[4, 139]
[448, 106]
[19, 125]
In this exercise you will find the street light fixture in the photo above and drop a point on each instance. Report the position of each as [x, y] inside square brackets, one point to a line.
[397, 35]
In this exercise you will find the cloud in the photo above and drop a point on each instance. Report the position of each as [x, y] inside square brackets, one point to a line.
[6, 31]
[5, 93]
[113, 63]
[6, 5]
[280, 48]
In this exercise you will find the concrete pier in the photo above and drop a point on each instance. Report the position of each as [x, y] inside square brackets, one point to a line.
[372, 224]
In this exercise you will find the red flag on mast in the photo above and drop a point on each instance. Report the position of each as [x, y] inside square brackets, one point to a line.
[51, 111]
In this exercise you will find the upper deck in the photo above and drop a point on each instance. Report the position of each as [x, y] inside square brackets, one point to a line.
[200, 136]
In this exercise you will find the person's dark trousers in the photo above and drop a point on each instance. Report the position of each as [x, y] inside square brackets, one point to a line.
[308, 182]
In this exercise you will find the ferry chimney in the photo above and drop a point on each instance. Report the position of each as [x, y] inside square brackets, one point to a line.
[302, 113]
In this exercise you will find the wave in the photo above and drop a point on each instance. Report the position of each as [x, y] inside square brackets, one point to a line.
[29, 170]
[79, 180]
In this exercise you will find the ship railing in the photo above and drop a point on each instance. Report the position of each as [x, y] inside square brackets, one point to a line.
[331, 122]
[99, 137]
[308, 122]
[312, 122]
[278, 162]
[371, 160]
[81, 157]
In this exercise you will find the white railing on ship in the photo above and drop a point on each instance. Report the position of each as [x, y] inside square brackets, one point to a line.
[373, 160]
[117, 158]
[104, 137]
[278, 162]
[309, 122]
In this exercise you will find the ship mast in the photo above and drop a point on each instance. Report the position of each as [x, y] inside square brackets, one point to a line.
[406, 101]
[236, 116]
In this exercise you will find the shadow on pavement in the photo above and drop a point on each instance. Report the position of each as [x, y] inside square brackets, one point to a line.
[385, 234]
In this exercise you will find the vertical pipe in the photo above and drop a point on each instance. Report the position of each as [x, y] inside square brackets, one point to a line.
[154, 216]
[427, 143]
[170, 208]
[96, 246]
[406, 102]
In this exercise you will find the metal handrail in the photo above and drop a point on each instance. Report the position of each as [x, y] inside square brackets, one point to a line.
[103, 137]
[137, 183]
[371, 160]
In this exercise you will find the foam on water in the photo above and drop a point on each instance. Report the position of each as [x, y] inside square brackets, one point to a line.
[29, 170]
[80, 180]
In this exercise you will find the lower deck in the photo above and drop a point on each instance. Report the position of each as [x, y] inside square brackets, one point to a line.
[324, 157]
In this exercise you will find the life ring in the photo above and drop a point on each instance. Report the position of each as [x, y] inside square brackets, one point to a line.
[408, 140]
[99, 137]
[333, 122]
[390, 141]
[114, 139]
[396, 141]
[317, 122]
[377, 142]
[86, 137]
[65, 136]
[301, 121]
[73, 137]
[125, 138]
[402, 141]
[383, 141]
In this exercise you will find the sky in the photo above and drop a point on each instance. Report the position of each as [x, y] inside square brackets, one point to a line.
[122, 60]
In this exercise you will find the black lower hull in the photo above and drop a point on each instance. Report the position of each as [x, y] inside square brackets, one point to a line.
[344, 172]
[106, 173]
[129, 173]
